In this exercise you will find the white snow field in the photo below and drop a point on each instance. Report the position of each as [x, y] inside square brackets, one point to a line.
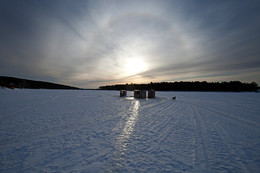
[98, 131]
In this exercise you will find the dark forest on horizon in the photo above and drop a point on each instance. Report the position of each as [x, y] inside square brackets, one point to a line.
[235, 86]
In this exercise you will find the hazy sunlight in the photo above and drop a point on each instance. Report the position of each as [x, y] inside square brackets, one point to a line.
[134, 66]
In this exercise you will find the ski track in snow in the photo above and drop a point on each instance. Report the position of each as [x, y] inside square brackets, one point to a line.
[98, 131]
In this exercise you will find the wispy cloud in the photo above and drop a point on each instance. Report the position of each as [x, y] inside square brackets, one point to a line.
[89, 43]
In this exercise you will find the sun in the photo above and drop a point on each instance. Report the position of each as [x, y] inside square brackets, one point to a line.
[134, 66]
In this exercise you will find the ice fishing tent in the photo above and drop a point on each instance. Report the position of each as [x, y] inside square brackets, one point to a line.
[122, 93]
[140, 94]
[151, 93]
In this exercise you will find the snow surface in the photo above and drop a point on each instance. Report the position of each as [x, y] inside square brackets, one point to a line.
[98, 131]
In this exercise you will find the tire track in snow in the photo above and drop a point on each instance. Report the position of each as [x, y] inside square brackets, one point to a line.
[160, 115]
[222, 156]
[240, 148]
[174, 130]
[154, 102]
[195, 126]
[156, 121]
[237, 119]
[201, 139]
[166, 119]
[155, 135]
[231, 152]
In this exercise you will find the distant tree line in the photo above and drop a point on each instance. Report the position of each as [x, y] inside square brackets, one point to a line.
[12, 82]
[236, 86]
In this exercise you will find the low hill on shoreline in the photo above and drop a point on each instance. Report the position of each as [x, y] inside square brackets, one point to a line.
[12, 82]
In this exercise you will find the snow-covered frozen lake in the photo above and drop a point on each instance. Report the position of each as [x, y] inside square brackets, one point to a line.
[98, 131]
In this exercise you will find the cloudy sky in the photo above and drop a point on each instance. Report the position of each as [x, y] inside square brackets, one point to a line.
[92, 43]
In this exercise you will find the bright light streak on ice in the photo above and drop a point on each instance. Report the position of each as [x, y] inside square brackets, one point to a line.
[122, 140]
[129, 126]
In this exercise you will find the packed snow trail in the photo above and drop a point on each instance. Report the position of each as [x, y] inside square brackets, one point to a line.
[98, 131]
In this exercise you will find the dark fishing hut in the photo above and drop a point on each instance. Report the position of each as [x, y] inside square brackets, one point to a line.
[123, 93]
[151, 93]
[140, 94]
